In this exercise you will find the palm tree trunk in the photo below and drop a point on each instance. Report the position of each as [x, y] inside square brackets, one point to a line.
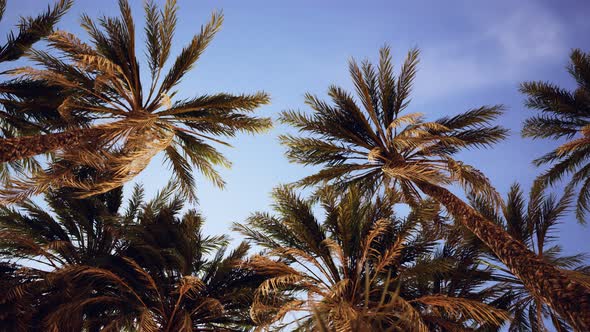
[567, 297]
[17, 148]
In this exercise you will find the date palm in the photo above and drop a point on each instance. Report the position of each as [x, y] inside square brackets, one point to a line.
[132, 119]
[43, 244]
[200, 284]
[534, 224]
[564, 114]
[376, 145]
[361, 269]
[17, 94]
[98, 268]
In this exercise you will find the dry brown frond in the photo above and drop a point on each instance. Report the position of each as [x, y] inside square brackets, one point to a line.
[466, 308]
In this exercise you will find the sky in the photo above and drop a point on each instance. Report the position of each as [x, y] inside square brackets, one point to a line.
[473, 53]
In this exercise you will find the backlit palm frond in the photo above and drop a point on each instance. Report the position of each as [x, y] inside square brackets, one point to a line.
[470, 309]
[191, 53]
[31, 30]
[563, 115]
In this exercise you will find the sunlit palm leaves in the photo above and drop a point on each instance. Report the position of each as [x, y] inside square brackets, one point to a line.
[377, 143]
[131, 122]
[361, 269]
[564, 114]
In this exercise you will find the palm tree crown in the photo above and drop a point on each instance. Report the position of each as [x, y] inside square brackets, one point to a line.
[130, 121]
[375, 143]
[361, 268]
[21, 115]
[564, 114]
[102, 269]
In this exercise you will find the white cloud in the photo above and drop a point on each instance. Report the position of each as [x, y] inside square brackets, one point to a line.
[505, 46]
[528, 32]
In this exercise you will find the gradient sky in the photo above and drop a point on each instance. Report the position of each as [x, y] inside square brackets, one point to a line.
[473, 53]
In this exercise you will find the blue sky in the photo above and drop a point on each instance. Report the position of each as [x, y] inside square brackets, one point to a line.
[473, 53]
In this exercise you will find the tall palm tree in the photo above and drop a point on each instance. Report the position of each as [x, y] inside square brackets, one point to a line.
[101, 269]
[564, 114]
[129, 124]
[533, 223]
[361, 269]
[377, 146]
[16, 94]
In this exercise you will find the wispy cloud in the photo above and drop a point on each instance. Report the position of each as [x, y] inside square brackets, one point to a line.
[503, 47]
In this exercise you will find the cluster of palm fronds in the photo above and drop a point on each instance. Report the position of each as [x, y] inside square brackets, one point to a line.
[93, 265]
[79, 122]
[90, 266]
[108, 121]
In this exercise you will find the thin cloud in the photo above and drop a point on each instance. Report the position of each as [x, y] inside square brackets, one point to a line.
[504, 47]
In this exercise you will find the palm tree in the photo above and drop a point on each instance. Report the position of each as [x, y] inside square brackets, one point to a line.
[99, 269]
[376, 146]
[564, 114]
[360, 269]
[44, 245]
[128, 127]
[533, 223]
[16, 94]
[15, 315]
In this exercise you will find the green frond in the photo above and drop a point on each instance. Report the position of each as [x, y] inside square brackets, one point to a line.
[206, 104]
[191, 53]
[387, 86]
[31, 30]
[579, 68]
[405, 80]
[182, 172]
[549, 98]
[517, 224]
[473, 118]
[548, 126]
[313, 151]
[562, 164]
